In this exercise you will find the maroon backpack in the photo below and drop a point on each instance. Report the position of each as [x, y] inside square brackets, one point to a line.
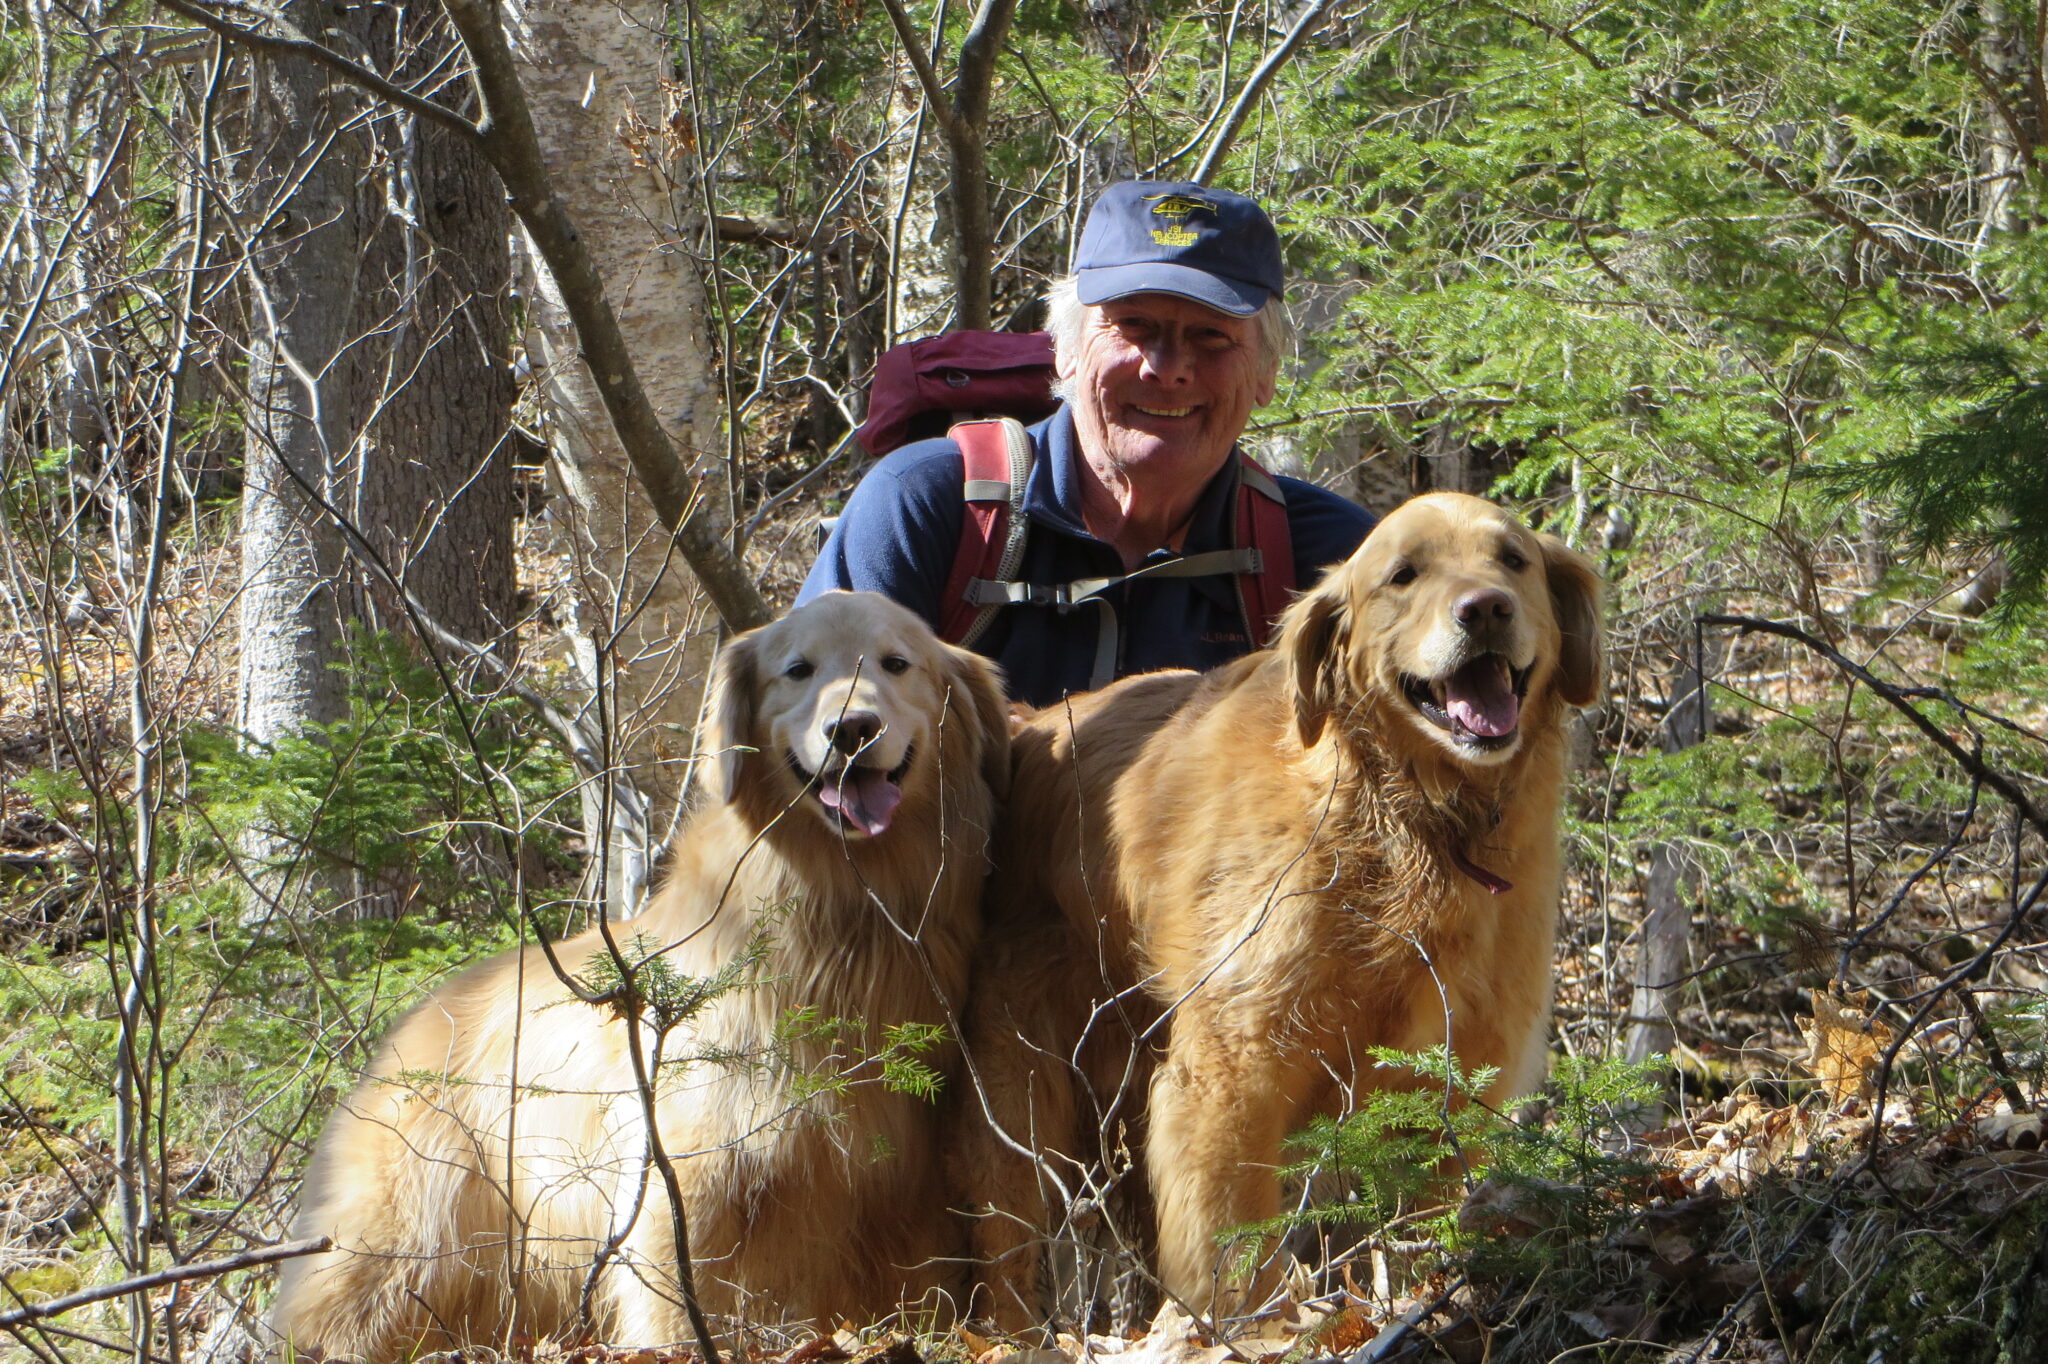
[980, 388]
[923, 388]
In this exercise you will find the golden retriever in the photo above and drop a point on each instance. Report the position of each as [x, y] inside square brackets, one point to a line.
[1346, 841]
[493, 1178]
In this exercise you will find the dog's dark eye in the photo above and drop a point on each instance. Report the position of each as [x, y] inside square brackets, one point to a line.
[895, 663]
[1403, 575]
[799, 670]
[1514, 560]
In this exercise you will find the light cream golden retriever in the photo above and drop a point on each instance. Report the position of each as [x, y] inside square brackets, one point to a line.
[1346, 841]
[492, 1177]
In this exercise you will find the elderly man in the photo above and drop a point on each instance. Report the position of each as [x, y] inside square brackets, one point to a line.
[1166, 337]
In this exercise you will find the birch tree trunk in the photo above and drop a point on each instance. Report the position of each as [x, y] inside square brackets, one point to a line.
[301, 282]
[640, 633]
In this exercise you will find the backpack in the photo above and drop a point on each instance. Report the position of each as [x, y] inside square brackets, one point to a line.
[923, 387]
[926, 387]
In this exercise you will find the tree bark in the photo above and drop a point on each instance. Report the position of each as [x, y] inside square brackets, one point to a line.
[1663, 954]
[640, 630]
[301, 280]
[431, 489]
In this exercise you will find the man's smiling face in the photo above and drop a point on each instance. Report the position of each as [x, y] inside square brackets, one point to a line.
[1162, 388]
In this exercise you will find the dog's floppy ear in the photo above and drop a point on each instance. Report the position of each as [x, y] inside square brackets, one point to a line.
[1310, 635]
[729, 732]
[976, 705]
[1575, 596]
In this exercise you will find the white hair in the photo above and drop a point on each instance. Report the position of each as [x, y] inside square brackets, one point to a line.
[1066, 315]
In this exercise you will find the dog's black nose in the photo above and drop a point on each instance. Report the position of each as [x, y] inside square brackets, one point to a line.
[1489, 603]
[853, 730]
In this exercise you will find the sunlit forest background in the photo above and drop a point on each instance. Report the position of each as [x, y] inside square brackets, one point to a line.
[397, 400]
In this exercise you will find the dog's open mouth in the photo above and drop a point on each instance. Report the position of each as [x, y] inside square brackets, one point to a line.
[1480, 704]
[860, 797]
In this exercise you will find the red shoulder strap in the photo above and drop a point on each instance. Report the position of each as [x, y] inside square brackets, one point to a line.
[1262, 525]
[989, 490]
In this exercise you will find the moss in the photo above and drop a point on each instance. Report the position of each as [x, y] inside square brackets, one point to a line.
[1959, 1294]
[40, 1283]
[2023, 1314]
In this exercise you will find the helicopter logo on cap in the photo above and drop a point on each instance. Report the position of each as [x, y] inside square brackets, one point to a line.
[1175, 209]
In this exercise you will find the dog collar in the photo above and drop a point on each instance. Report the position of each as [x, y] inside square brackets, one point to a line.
[1495, 885]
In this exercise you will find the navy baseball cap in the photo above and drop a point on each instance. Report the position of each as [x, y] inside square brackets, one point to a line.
[1173, 237]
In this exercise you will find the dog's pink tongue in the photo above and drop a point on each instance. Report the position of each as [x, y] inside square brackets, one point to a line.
[1481, 697]
[865, 797]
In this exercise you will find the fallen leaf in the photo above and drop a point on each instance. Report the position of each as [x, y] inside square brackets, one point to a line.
[1344, 1331]
[1174, 1340]
[2020, 1131]
[1909, 1175]
[1462, 1341]
[1619, 1321]
[1999, 1179]
[1844, 1047]
[817, 1350]
[1261, 1349]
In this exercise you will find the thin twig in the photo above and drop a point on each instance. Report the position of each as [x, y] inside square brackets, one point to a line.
[921, 64]
[296, 44]
[1896, 697]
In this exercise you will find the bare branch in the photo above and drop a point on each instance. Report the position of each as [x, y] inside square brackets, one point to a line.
[296, 44]
[1899, 698]
[964, 121]
[583, 747]
[1219, 147]
[505, 137]
[978, 52]
[1201, 134]
[1987, 84]
[775, 231]
[206, 1269]
[920, 63]
[966, 127]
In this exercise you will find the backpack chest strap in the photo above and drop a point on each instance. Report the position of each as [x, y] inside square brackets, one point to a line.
[990, 595]
[1208, 564]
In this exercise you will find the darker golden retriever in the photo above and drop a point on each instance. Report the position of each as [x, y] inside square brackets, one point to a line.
[492, 1177]
[1346, 841]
